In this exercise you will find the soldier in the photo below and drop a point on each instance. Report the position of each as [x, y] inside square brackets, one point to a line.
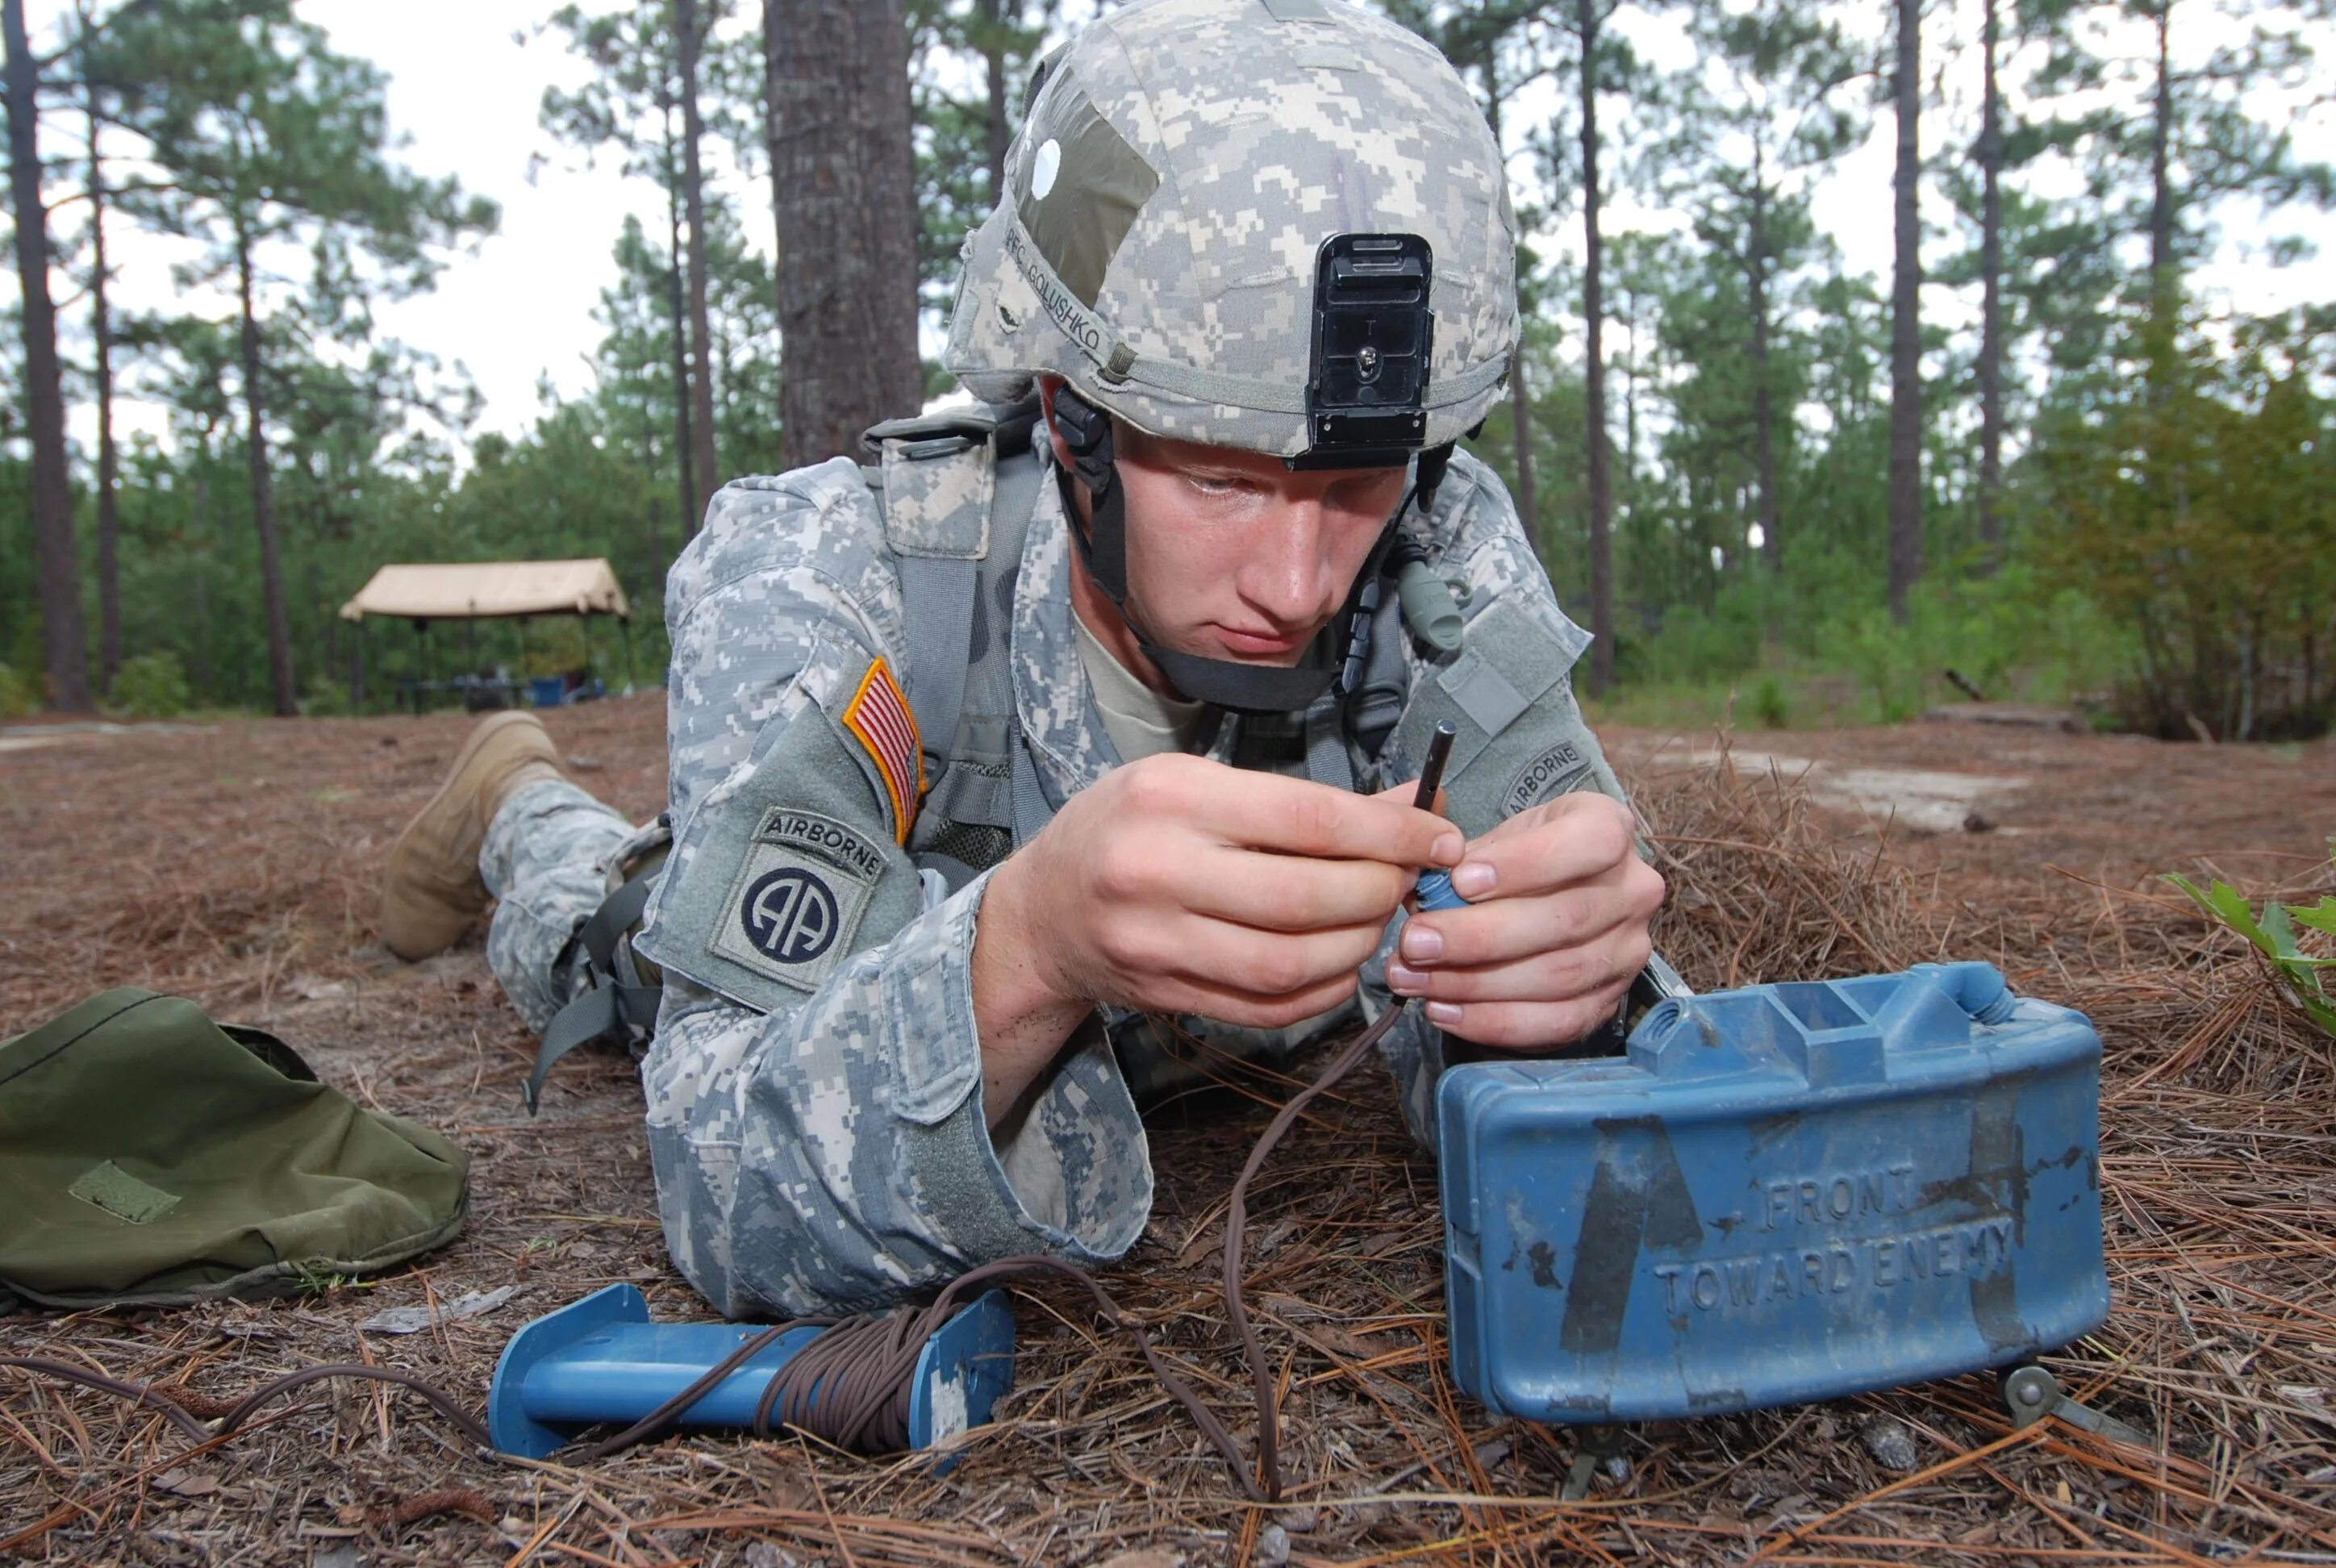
[1004, 782]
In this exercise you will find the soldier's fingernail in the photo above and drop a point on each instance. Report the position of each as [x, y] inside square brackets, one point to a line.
[1444, 1014]
[1406, 982]
[1421, 944]
[1448, 849]
[1473, 880]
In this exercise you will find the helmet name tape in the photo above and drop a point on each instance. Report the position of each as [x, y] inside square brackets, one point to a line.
[1077, 322]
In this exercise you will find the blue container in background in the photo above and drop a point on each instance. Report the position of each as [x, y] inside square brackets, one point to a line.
[545, 690]
[1782, 1194]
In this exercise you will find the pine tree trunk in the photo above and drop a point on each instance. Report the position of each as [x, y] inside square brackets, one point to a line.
[1905, 327]
[57, 557]
[282, 690]
[2161, 184]
[992, 15]
[1593, 370]
[1990, 311]
[1764, 400]
[109, 470]
[652, 560]
[683, 450]
[1521, 415]
[842, 184]
[206, 679]
[1521, 427]
[693, 131]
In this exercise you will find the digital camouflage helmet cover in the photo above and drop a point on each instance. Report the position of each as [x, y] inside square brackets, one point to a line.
[1169, 197]
[1276, 225]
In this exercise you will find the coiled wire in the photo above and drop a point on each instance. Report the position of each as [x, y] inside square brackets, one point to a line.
[851, 1386]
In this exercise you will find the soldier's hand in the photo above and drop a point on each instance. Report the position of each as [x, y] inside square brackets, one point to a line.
[1180, 885]
[1555, 930]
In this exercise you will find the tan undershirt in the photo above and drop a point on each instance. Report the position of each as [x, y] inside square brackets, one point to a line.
[1140, 721]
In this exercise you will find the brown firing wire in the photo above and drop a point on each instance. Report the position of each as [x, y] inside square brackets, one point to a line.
[192, 1425]
[852, 1386]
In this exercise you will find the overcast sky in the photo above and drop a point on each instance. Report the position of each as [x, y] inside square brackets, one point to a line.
[466, 77]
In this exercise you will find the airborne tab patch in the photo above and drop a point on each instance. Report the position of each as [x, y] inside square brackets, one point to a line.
[1545, 777]
[878, 716]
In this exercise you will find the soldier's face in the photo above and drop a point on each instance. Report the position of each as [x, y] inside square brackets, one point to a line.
[1229, 554]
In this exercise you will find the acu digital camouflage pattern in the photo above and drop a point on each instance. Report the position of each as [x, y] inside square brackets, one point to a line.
[830, 1151]
[547, 858]
[1180, 168]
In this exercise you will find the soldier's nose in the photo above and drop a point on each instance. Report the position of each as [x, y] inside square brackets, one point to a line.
[1289, 576]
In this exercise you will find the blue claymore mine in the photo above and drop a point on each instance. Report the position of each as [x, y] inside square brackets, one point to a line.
[1782, 1194]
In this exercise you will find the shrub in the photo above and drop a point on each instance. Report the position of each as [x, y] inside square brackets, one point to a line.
[2301, 975]
[18, 694]
[2196, 505]
[151, 685]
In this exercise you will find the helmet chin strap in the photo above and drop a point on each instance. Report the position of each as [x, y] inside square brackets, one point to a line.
[1219, 682]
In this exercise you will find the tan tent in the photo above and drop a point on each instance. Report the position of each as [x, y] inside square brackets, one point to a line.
[491, 589]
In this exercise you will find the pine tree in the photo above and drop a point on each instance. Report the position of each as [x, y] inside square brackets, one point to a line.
[1906, 318]
[1747, 131]
[271, 138]
[57, 555]
[842, 166]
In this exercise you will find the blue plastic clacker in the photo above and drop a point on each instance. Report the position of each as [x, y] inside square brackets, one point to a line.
[600, 1362]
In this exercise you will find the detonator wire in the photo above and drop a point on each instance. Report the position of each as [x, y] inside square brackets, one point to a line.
[851, 1386]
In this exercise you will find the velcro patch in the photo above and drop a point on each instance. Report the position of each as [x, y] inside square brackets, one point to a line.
[1545, 775]
[122, 1194]
[799, 897]
[879, 715]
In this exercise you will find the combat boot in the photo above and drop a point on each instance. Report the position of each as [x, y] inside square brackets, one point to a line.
[431, 890]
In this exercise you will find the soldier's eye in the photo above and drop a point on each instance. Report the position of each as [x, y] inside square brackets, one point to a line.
[1219, 484]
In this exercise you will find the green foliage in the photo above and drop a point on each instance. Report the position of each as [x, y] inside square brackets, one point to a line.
[953, 44]
[19, 695]
[1816, 646]
[2195, 498]
[151, 685]
[2302, 979]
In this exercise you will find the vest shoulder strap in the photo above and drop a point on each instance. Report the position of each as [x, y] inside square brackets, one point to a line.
[957, 491]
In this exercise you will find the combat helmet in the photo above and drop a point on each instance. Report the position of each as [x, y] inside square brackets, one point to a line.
[1278, 225]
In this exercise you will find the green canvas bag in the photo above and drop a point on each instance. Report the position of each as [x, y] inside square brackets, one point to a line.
[149, 1156]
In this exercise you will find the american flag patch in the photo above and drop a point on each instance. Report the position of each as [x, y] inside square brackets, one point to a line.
[879, 714]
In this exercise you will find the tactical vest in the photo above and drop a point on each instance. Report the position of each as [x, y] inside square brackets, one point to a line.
[958, 490]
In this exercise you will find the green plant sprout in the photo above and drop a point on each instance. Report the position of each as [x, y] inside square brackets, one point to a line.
[2301, 975]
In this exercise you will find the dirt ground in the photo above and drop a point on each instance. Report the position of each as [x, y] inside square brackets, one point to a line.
[235, 864]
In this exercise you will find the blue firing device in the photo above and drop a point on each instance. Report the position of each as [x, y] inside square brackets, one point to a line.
[600, 1362]
[1782, 1194]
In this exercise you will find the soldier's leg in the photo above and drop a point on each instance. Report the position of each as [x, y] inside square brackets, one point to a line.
[545, 860]
[505, 822]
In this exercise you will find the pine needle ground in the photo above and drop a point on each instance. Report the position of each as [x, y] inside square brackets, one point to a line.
[235, 864]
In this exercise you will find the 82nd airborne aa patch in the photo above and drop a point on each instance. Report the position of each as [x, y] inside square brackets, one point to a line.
[796, 902]
[878, 715]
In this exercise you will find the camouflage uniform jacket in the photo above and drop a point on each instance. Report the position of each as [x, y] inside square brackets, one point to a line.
[815, 1096]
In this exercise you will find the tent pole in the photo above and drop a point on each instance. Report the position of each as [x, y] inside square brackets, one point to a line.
[587, 619]
[420, 672]
[625, 631]
[522, 652]
[356, 658]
